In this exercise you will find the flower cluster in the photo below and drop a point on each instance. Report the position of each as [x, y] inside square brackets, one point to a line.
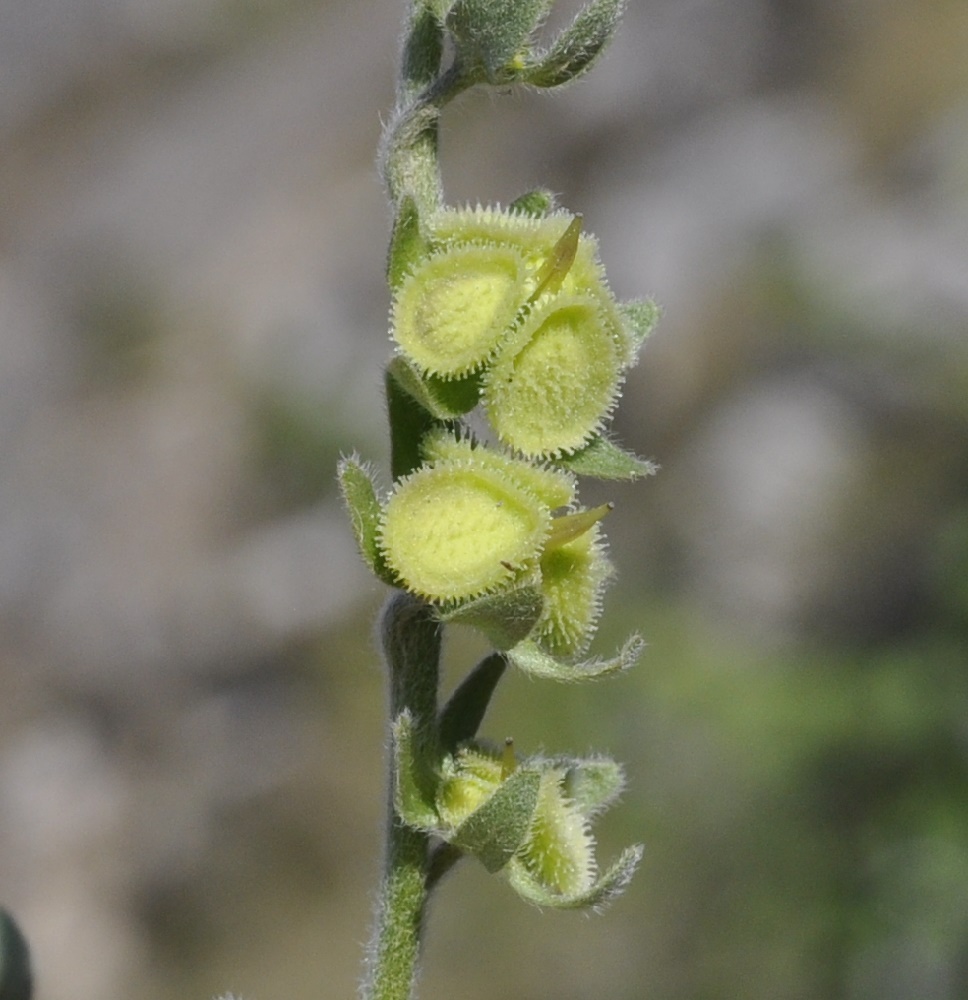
[510, 351]
[519, 304]
[508, 311]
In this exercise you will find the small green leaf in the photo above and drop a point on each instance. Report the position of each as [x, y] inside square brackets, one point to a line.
[498, 828]
[535, 204]
[490, 33]
[601, 458]
[577, 47]
[16, 981]
[408, 247]
[530, 658]
[464, 712]
[505, 617]
[639, 319]
[605, 888]
[417, 405]
[423, 46]
[359, 495]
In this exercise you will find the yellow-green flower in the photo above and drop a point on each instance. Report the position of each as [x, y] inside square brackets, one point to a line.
[531, 819]
[454, 309]
[573, 576]
[553, 487]
[456, 529]
[555, 382]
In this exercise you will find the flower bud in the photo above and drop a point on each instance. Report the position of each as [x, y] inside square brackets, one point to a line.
[470, 778]
[559, 850]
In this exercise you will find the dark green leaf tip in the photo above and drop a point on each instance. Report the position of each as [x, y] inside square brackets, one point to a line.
[16, 981]
[464, 712]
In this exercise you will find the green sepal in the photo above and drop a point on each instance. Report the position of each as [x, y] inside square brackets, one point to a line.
[417, 405]
[453, 397]
[443, 400]
[639, 318]
[16, 980]
[490, 33]
[505, 617]
[414, 781]
[408, 246]
[359, 494]
[534, 204]
[605, 888]
[532, 659]
[602, 458]
[591, 783]
[461, 717]
[495, 831]
[577, 47]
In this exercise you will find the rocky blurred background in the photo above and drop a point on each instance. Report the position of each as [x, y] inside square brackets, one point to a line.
[192, 324]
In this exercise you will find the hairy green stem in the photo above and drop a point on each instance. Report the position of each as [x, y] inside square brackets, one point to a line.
[396, 947]
[410, 632]
[411, 647]
[410, 154]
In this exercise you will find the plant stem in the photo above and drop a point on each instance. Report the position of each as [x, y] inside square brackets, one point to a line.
[411, 646]
[411, 635]
[396, 947]
[410, 154]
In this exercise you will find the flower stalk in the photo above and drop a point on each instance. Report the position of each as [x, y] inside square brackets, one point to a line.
[506, 312]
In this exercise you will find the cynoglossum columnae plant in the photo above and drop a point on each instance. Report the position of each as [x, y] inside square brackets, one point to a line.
[506, 311]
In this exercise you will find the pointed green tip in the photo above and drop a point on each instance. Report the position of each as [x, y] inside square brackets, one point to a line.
[535, 204]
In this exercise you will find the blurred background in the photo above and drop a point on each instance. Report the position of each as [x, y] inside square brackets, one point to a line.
[192, 326]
